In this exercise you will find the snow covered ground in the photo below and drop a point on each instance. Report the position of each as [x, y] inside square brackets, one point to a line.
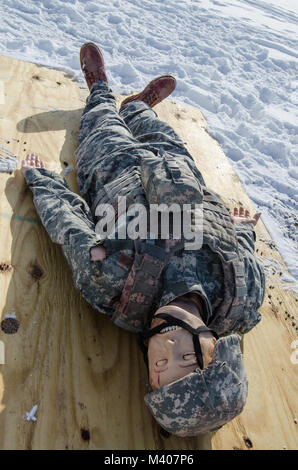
[237, 60]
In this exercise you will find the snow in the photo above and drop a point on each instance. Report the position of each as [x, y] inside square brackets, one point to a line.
[237, 60]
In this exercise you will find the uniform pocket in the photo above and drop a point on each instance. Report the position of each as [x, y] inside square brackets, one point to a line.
[168, 179]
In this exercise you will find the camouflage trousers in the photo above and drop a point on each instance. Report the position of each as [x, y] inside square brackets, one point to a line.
[112, 143]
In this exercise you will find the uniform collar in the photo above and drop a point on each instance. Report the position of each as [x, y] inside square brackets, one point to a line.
[196, 289]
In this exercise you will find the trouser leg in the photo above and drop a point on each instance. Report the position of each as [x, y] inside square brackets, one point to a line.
[106, 145]
[99, 114]
[145, 126]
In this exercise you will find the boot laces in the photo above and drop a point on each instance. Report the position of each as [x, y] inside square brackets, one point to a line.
[94, 75]
[151, 96]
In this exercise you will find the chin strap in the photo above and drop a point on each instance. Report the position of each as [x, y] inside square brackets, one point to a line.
[172, 321]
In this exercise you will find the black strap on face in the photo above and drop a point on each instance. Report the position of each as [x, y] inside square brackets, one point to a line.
[143, 348]
[172, 321]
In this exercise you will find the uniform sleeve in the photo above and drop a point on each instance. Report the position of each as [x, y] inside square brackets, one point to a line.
[246, 236]
[254, 272]
[65, 215]
[68, 221]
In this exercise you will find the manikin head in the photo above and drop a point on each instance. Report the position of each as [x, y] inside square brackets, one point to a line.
[193, 392]
[171, 353]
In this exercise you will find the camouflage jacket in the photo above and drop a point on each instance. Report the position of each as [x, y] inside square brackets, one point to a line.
[69, 222]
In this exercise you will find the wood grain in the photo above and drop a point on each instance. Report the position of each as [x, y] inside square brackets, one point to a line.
[86, 375]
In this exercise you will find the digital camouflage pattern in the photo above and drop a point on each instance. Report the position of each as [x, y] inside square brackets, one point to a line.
[204, 400]
[122, 154]
[134, 154]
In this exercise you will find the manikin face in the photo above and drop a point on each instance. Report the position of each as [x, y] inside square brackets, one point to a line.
[171, 354]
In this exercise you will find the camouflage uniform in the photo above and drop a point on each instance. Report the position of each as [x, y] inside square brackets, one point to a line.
[136, 155]
[121, 154]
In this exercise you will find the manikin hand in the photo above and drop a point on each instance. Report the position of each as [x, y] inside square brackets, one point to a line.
[98, 253]
[244, 216]
[32, 161]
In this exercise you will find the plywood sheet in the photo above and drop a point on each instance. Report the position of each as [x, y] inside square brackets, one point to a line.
[85, 375]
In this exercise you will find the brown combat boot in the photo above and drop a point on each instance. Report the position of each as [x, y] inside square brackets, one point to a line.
[157, 90]
[92, 64]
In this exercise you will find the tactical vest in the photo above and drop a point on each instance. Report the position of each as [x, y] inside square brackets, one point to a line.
[141, 292]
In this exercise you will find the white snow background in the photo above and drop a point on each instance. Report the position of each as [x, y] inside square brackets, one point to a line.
[236, 60]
